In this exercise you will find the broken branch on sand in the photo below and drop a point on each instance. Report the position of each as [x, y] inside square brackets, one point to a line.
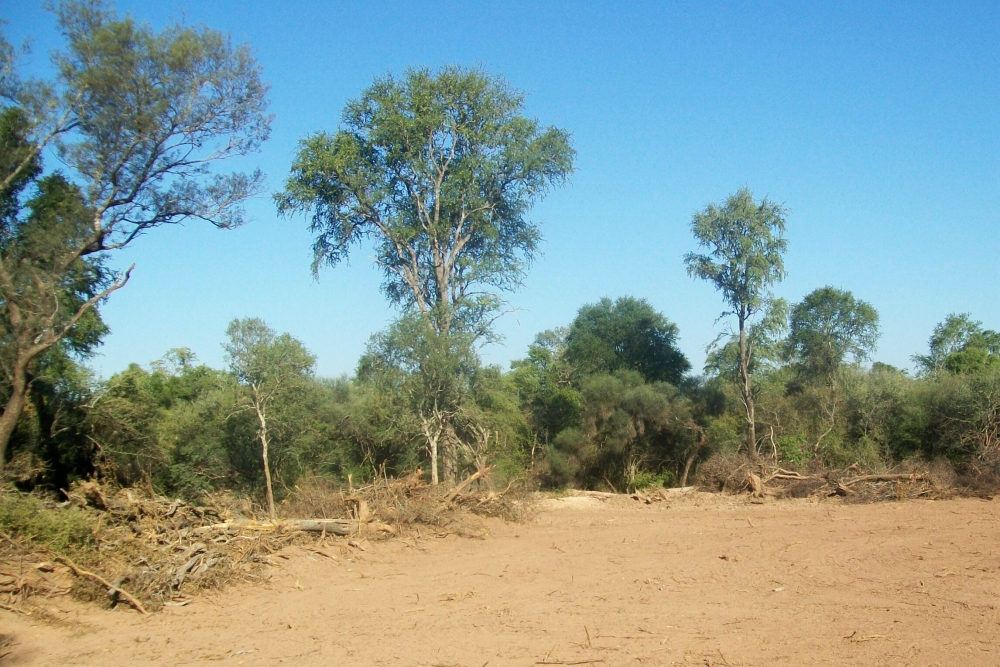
[115, 590]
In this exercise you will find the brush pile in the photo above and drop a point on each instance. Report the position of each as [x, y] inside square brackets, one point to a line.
[739, 474]
[140, 549]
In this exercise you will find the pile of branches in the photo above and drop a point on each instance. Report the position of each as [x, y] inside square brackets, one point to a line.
[850, 483]
[148, 551]
[762, 479]
[404, 504]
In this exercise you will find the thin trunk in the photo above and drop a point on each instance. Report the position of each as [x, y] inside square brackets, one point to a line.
[12, 411]
[746, 389]
[691, 459]
[449, 457]
[434, 461]
[432, 447]
[267, 467]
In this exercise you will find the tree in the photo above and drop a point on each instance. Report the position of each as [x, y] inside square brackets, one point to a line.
[828, 326]
[745, 243]
[439, 171]
[625, 334]
[546, 386]
[431, 373]
[270, 367]
[624, 432]
[139, 119]
[959, 344]
[47, 295]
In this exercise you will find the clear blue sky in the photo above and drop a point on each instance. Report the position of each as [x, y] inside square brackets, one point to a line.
[877, 124]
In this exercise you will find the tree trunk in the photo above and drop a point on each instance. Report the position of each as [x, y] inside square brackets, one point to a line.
[746, 388]
[449, 457]
[15, 406]
[434, 461]
[432, 447]
[267, 467]
[691, 459]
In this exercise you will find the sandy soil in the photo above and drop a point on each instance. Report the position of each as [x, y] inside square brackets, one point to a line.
[703, 580]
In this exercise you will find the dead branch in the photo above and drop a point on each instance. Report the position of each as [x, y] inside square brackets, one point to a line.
[104, 582]
[482, 472]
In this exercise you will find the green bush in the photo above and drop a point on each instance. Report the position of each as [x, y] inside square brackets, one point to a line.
[31, 519]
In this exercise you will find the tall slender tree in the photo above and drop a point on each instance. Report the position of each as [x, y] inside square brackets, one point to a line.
[745, 246]
[270, 367]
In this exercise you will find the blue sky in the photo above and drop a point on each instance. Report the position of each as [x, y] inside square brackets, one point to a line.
[877, 125]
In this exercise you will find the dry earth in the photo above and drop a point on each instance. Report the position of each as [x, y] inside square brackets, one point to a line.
[704, 580]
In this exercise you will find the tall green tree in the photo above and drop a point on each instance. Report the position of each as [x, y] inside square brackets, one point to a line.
[627, 334]
[744, 247]
[828, 326]
[439, 171]
[271, 368]
[47, 294]
[139, 119]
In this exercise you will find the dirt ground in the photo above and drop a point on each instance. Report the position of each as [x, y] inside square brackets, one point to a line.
[704, 580]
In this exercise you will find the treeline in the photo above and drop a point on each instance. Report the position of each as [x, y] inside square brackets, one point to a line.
[436, 172]
[606, 402]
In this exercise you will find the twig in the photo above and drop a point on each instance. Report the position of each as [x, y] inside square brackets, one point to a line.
[569, 662]
[15, 609]
[104, 582]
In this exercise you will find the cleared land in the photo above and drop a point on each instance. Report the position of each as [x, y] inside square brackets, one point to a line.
[704, 579]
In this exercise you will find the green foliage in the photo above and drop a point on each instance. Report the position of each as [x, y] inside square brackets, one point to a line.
[627, 334]
[544, 382]
[139, 119]
[746, 244]
[765, 342]
[440, 170]
[29, 518]
[828, 326]
[961, 345]
[628, 427]
[149, 113]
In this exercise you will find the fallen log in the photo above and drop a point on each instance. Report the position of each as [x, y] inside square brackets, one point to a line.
[341, 527]
[900, 477]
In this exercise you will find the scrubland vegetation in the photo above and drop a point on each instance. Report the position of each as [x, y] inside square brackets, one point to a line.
[437, 172]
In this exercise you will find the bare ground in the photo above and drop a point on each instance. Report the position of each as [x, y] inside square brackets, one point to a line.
[704, 580]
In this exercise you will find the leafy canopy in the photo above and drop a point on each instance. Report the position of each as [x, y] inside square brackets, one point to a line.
[745, 243]
[960, 344]
[828, 326]
[439, 171]
[627, 334]
[140, 118]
